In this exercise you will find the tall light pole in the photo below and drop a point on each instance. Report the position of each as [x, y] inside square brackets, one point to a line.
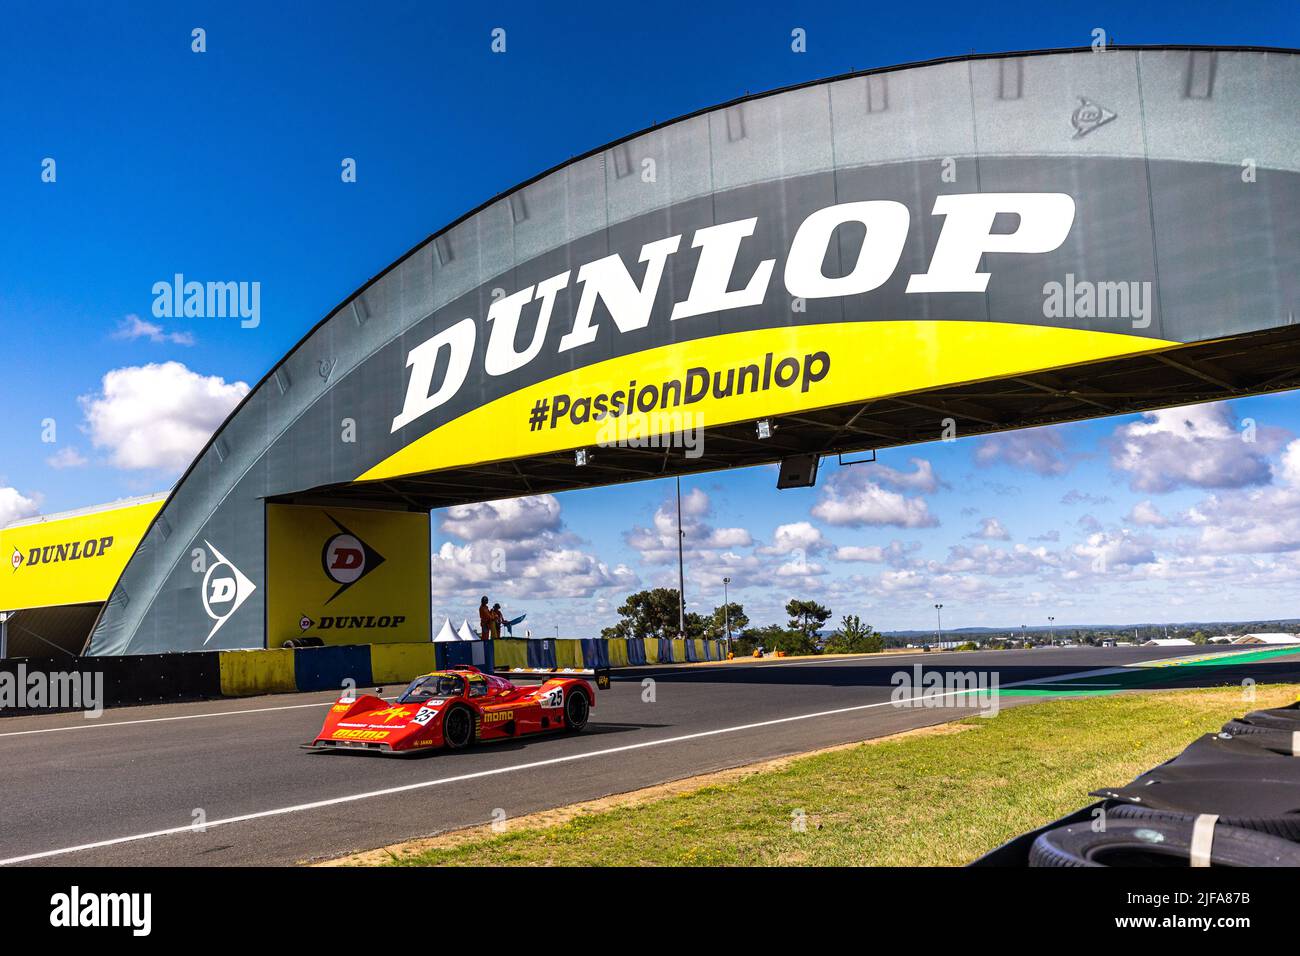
[938, 616]
[681, 567]
[1051, 629]
[726, 611]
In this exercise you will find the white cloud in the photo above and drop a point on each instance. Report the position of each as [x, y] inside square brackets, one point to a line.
[15, 505]
[66, 457]
[991, 529]
[157, 415]
[1148, 515]
[1040, 450]
[515, 550]
[799, 536]
[1199, 445]
[851, 498]
[133, 327]
[511, 518]
[658, 544]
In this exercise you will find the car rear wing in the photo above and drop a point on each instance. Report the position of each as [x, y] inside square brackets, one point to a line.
[601, 674]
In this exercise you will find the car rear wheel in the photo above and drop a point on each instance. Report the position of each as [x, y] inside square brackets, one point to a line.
[576, 710]
[458, 728]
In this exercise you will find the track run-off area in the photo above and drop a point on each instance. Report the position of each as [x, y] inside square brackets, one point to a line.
[226, 783]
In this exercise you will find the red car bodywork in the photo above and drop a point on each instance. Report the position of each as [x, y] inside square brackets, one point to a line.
[490, 708]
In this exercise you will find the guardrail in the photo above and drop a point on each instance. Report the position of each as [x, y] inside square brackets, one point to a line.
[35, 684]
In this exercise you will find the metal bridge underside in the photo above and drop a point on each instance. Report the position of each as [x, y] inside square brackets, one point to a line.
[1185, 375]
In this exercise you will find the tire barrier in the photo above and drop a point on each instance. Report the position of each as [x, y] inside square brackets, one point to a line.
[1186, 842]
[1260, 721]
[1286, 827]
[1272, 748]
[1234, 795]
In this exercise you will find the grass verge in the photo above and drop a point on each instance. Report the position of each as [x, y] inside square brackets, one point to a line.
[915, 800]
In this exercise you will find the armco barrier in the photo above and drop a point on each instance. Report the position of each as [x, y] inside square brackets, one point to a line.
[249, 673]
[541, 654]
[595, 652]
[511, 653]
[157, 678]
[480, 654]
[401, 663]
[568, 654]
[113, 681]
[326, 668]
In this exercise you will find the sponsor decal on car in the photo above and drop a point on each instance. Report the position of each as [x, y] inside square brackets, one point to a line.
[347, 734]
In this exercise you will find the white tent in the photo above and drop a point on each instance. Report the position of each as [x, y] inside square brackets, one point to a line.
[446, 633]
[465, 634]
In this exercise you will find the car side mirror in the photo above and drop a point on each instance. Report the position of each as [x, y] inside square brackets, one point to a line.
[379, 692]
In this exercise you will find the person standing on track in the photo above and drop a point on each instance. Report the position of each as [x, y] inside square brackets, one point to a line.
[485, 622]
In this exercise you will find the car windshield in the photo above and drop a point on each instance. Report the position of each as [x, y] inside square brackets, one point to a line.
[433, 685]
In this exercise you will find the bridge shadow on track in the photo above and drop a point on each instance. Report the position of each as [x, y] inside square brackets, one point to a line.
[1184, 676]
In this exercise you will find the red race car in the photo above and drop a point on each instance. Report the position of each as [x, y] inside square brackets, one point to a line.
[453, 709]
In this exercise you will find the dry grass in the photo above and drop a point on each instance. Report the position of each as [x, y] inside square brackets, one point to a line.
[914, 800]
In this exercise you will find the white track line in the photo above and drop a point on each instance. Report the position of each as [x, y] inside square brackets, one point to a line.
[99, 725]
[96, 725]
[533, 765]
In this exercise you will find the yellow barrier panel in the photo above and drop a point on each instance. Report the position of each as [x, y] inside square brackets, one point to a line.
[511, 653]
[651, 650]
[400, 663]
[679, 650]
[245, 673]
[699, 650]
[568, 654]
[618, 653]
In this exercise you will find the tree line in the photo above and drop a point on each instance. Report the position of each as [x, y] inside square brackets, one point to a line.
[654, 613]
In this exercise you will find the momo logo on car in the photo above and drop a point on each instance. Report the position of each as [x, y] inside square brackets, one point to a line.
[225, 588]
[347, 559]
[361, 734]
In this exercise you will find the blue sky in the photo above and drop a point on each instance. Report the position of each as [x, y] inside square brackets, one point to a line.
[226, 164]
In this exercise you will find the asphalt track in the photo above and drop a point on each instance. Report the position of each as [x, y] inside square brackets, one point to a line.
[128, 788]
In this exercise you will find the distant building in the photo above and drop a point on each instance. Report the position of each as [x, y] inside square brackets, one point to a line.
[1270, 637]
[1168, 642]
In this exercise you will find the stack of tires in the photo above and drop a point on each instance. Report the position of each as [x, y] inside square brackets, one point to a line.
[1230, 799]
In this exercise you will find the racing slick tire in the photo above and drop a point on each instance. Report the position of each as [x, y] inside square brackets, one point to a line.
[458, 728]
[577, 710]
[1286, 827]
[1261, 724]
[1156, 843]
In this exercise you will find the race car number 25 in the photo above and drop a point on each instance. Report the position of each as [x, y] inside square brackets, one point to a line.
[553, 698]
[424, 715]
